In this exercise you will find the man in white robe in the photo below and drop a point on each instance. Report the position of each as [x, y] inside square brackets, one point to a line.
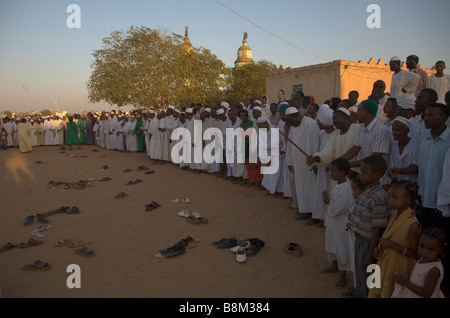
[439, 81]
[403, 81]
[49, 132]
[33, 133]
[305, 134]
[59, 131]
[155, 139]
[8, 125]
[131, 137]
[166, 134]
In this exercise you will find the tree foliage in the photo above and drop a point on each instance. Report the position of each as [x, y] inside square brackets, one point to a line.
[144, 67]
[248, 80]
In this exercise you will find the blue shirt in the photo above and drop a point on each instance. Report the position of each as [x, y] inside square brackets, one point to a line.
[429, 159]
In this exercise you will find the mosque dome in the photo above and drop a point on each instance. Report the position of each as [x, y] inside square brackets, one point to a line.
[244, 53]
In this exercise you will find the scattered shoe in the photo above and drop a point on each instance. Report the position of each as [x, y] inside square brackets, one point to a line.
[243, 244]
[105, 167]
[150, 172]
[105, 179]
[255, 246]
[84, 251]
[39, 162]
[195, 220]
[120, 195]
[37, 234]
[152, 206]
[293, 249]
[127, 170]
[42, 218]
[196, 214]
[38, 265]
[186, 200]
[134, 182]
[28, 220]
[175, 200]
[143, 168]
[241, 256]
[184, 213]
[228, 243]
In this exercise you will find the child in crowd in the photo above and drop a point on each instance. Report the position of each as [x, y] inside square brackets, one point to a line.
[397, 250]
[368, 219]
[3, 139]
[357, 188]
[427, 274]
[340, 204]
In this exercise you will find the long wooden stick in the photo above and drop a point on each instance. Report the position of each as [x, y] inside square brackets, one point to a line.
[294, 144]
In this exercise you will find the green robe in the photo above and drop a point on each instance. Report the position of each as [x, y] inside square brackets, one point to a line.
[80, 124]
[140, 135]
[72, 134]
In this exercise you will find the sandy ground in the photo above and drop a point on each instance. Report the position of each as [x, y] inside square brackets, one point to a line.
[125, 237]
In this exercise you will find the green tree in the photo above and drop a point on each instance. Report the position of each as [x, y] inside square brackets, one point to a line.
[143, 67]
[248, 80]
[46, 112]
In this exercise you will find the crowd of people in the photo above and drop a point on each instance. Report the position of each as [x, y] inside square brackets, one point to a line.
[375, 173]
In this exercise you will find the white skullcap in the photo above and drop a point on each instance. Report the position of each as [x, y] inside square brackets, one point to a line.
[176, 110]
[189, 110]
[406, 101]
[225, 104]
[171, 107]
[291, 110]
[207, 109]
[344, 110]
[403, 120]
[395, 58]
[325, 116]
[220, 111]
[353, 109]
[284, 103]
[261, 120]
[257, 108]
[257, 101]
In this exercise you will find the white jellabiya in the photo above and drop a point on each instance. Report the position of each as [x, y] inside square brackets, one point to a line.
[262, 146]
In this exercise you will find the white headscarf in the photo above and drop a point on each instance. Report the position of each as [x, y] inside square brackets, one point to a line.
[325, 115]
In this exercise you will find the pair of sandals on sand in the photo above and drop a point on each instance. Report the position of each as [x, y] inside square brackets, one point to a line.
[79, 245]
[29, 243]
[176, 249]
[195, 218]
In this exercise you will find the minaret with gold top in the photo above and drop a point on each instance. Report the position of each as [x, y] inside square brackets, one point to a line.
[187, 44]
[244, 54]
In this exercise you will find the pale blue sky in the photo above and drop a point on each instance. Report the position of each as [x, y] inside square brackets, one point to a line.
[40, 52]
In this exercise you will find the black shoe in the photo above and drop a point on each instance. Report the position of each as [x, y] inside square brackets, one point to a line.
[228, 243]
[255, 246]
[219, 241]
[175, 252]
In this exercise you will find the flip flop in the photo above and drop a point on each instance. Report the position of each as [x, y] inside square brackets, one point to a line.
[37, 234]
[30, 242]
[245, 244]
[184, 213]
[150, 172]
[127, 170]
[28, 220]
[186, 200]
[8, 246]
[84, 251]
[143, 168]
[38, 265]
[44, 227]
[175, 200]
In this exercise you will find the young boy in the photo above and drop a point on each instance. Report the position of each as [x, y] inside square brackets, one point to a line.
[340, 204]
[368, 219]
[3, 139]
